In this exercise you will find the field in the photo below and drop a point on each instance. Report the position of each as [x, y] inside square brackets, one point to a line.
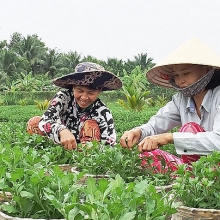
[36, 173]
[124, 119]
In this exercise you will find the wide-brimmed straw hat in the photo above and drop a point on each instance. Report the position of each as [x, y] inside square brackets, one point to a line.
[192, 52]
[92, 75]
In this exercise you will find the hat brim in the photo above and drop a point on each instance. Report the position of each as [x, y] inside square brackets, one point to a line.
[102, 80]
[192, 52]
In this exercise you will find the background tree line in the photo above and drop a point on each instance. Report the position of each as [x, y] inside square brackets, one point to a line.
[27, 66]
[27, 59]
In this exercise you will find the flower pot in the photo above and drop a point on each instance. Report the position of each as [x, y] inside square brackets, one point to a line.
[188, 213]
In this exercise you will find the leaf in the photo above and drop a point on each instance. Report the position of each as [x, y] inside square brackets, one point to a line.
[26, 194]
[74, 214]
[9, 208]
[128, 216]
[3, 185]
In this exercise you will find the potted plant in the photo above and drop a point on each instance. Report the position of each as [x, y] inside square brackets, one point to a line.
[197, 188]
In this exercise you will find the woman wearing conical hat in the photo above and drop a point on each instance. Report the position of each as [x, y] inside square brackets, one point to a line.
[193, 69]
[76, 114]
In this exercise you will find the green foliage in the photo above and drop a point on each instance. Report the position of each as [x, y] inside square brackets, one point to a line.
[135, 98]
[134, 89]
[22, 102]
[111, 96]
[29, 172]
[2, 102]
[159, 101]
[11, 98]
[26, 83]
[17, 113]
[123, 119]
[113, 201]
[28, 54]
[198, 186]
[42, 105]
[159, 90]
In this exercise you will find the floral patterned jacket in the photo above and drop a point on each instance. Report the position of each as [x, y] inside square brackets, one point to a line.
[64, 112]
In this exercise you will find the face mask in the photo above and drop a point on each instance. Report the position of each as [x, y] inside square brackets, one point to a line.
[196, 87]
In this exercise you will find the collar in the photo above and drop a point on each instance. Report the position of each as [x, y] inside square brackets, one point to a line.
[206, 104]
[190, 107]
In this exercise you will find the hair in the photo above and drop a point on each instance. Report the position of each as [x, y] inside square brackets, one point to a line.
[215, 80]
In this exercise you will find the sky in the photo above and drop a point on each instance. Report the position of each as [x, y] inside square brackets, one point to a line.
[118, 29]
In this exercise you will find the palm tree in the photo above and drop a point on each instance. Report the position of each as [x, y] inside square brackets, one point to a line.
[31, 48]
[143, 61]
[114, 65]
[8, 63]
[70, 60]
[3, 45]
[52, 62]
[3, 77]
[90, 58]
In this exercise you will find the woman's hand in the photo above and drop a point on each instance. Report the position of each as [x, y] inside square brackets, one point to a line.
[154, 142]
[130, 138]
[67, 140]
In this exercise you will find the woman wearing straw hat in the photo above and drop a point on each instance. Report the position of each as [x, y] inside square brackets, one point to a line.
[193, 70]
[76, 114]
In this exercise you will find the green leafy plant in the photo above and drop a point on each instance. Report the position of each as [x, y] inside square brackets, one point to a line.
[28, 187]
[135, 91]
[159, 101]
[112, 200]
[2, 102]
[98, 159]
[135, 98]
[42, 105]
[22, 102]
[198, 186]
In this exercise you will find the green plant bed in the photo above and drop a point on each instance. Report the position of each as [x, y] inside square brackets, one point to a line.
[102, 199]
[17, 113]
[199, 185]
[197, 189]
[97, 159]
[30, 170]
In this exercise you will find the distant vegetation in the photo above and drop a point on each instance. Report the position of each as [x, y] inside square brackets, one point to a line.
[22, 58]
[27, 68]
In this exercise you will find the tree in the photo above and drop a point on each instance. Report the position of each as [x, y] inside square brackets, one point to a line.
[52, 62]
[115, 66]
[31, 48]
[90, 58]
[9, 63]
[70, 60]
[144, 62]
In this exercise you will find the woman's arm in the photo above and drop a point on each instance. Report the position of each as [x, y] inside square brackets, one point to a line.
[51, 121]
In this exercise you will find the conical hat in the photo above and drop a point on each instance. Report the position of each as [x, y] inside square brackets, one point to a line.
[192, 52]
